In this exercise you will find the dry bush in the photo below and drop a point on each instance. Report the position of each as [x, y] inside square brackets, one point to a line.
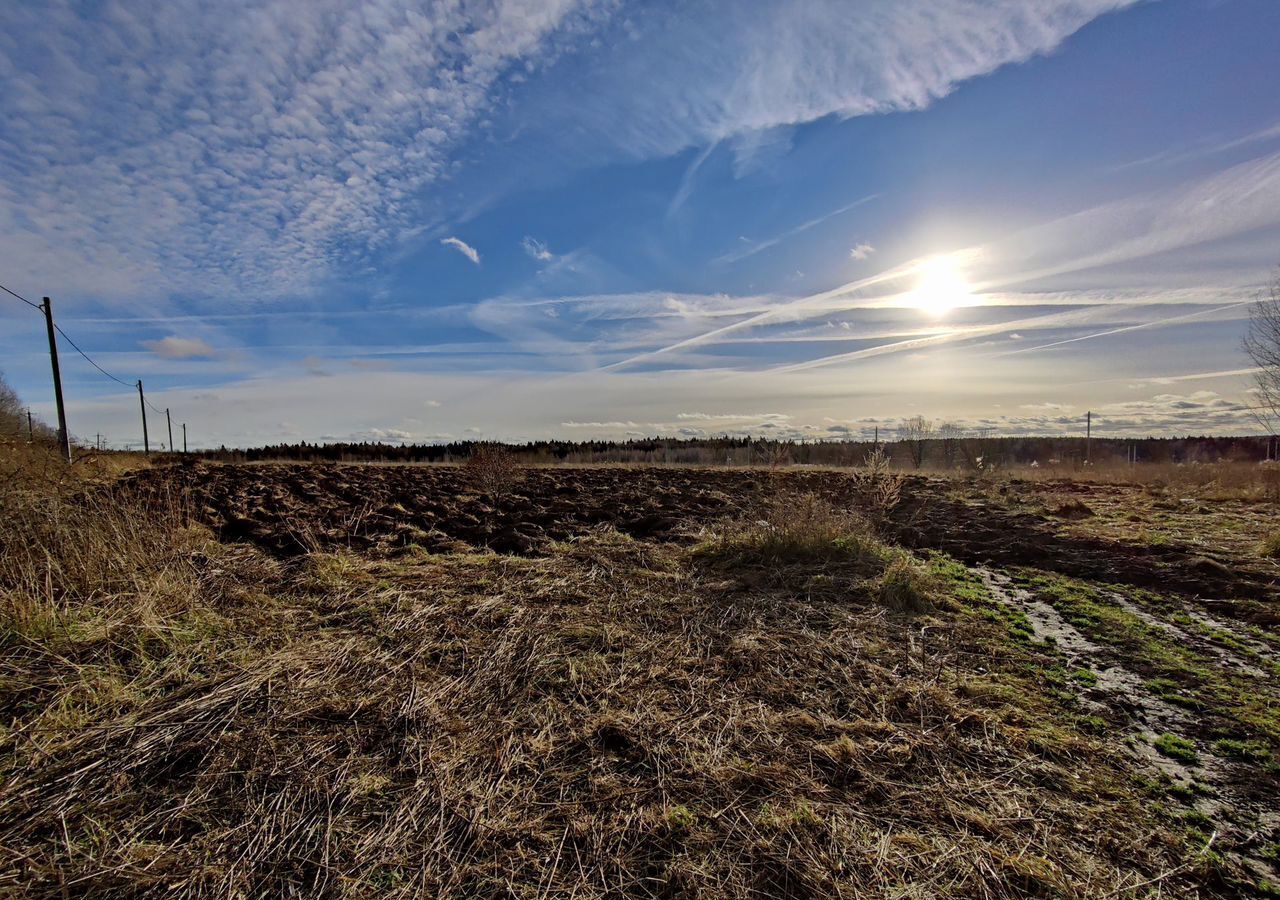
[904, 585]
[797, 528]
[1270, 546]
[879, 488]
[1071, 508]
[804, 531]
[493, 469]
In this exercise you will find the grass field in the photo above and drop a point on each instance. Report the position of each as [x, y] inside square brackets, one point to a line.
[353, 681]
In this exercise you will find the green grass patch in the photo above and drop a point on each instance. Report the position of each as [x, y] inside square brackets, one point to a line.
[1233, 748]
[1179, 748]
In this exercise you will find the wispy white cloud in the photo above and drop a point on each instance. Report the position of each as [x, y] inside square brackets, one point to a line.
[536, 249]
[1204, 147]
[187, 147]
[737, 70]
[861, 251]
[463, 247]
[174, 347]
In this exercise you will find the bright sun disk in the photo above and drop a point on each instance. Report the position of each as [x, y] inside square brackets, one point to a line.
[940, 286]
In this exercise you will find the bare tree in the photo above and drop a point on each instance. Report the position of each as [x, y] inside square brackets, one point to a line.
[1262, 343]
[950, 434]
[13, 420]
[774, 454]
[915, 433]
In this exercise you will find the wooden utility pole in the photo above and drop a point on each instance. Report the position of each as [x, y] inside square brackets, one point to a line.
[1088, 435]
[64, 437]
[184, 437]
[169, 422]
[31, 430]
[142, 402]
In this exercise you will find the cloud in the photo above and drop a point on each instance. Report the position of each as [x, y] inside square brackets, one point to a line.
[537, 249]
[861, 251]
[464, 248]
[174, 347]
[263, 150]
[529, 405]
[267, 149]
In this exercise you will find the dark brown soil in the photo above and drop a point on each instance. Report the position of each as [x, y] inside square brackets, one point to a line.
[287, 509]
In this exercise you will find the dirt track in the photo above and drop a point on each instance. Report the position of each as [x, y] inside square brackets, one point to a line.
[287, 509]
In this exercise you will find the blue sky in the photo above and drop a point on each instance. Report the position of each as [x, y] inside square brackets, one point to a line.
[606, 219]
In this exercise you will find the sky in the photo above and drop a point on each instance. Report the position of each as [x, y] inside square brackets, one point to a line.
[522, 219]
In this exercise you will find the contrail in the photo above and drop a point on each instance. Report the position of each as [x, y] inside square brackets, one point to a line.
[758, 318]
[1064, 318]
[803, 226]
[1171, 319]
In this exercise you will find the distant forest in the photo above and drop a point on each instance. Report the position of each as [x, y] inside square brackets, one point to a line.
[932, 452]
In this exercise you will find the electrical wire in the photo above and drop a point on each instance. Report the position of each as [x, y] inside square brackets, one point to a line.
[90, 359]
[22, 298]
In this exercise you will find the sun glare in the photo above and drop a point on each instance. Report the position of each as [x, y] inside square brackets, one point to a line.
[940, 286]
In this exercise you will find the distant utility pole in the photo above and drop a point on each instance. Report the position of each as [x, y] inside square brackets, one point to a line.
[64, 436]
[1088, 435]
[169, 421]
[184, 437]
[142, 402]
[31, 431]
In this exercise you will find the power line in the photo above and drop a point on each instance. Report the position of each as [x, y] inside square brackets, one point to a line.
[90, 359]
[20, 297]
[47, 311]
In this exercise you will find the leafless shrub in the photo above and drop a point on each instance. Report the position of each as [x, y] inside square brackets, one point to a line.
[493, 470]
[879, 487]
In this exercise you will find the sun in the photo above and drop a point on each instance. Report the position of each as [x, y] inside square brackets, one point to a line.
[940, 286]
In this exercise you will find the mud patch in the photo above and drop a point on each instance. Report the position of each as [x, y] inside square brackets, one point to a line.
[1161, 737]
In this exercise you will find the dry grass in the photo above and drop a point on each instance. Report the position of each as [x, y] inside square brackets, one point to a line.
[185, 719]
[1205, 481]
[804, 530]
